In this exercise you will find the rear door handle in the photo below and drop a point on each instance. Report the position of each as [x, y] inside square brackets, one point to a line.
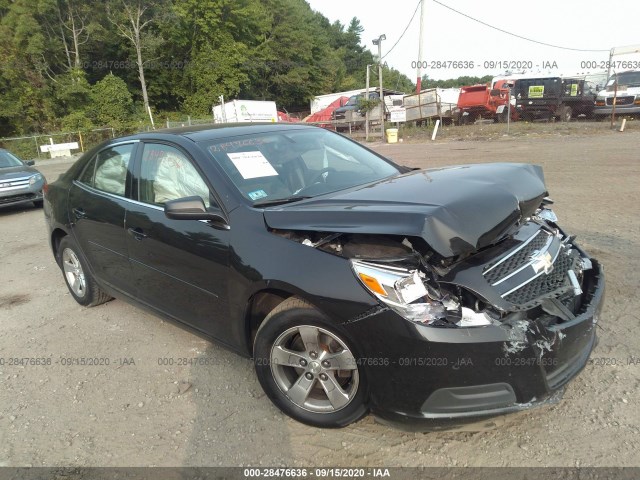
[137, 233]
[79, 213]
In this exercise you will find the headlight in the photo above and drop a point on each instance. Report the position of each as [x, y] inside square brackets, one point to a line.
[35, 179]
[547, 214]
[401, 290]
[404, 292]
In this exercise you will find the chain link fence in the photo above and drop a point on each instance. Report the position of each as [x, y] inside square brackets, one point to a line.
[28, 147]
[189, 122]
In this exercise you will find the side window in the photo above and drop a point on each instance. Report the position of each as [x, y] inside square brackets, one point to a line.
[86, 176]
[111, 169]
[167, 174]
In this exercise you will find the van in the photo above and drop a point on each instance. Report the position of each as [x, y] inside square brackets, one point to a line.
[625, 95]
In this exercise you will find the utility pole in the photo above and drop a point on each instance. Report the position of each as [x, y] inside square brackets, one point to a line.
[366, 114]
[420, 47]
[378, 42]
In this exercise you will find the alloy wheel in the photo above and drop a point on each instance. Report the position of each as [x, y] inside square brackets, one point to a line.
[314, 368]
[73, 272]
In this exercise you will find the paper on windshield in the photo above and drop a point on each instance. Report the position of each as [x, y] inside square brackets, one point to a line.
[252, 164]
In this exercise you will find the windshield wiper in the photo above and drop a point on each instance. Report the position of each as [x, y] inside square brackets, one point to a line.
[280, 201]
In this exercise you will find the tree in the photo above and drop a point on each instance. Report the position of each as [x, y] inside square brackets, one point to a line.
[26, 104]
[111, 102]
[132, 23]
[184, 55]
[455, 82]
[219, 35]
[294, 60]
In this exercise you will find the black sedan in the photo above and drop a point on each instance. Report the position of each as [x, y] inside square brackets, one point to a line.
[355, 284]
[20, 183]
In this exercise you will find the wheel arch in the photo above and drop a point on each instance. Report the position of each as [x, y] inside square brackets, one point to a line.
[56, 237]
[259, 305]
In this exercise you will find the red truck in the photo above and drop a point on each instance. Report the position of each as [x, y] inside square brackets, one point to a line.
[486, 102]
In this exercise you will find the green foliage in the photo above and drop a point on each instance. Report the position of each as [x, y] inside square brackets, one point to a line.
[366, 105]
[111, 103]
[455, 82]
[76, 121]
[72, 64]
[72, 91]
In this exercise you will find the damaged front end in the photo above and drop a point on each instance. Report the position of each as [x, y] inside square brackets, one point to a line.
[522, 310]
[536, 272]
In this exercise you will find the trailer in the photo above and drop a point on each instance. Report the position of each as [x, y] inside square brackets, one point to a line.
[245, 111]
[432, 103]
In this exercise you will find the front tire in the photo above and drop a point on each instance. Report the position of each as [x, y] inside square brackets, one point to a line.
[77, 276]
[308, 367]
[566, 113]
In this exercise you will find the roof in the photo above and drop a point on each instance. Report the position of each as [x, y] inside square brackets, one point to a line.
[199, 133]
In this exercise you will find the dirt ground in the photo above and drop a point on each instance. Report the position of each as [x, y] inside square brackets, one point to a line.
[137, 412]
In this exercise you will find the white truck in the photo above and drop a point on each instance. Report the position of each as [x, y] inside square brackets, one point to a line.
[245, 111]
[621, 95]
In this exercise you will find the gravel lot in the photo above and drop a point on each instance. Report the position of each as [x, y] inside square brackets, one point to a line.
[136, 412]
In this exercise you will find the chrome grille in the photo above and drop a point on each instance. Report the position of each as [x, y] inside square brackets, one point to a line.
[14, 184]
[516, 259]
[534, 270]
[544, 284]
[620, 100]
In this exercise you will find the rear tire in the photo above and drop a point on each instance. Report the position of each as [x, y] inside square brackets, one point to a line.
[308, 367]
[77, 276]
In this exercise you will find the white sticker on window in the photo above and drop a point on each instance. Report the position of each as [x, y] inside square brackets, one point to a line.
[252, 164]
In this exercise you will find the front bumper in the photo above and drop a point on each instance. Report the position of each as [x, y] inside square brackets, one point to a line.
[456, 375]
[620, 110]
[27, 195]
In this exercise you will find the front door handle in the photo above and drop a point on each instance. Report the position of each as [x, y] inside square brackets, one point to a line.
[79, 213]
[137, 233]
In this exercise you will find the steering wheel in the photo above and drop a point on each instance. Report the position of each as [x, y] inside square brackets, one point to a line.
[321, 175]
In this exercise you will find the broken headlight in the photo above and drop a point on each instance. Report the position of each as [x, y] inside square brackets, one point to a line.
[407, 294]
[545, 213]
[401, 290]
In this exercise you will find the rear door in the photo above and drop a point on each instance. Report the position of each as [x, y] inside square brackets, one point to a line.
[181, 267]
[98, 200]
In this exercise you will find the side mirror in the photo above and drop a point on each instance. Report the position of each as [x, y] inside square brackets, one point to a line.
[29, 163]
[193, 208]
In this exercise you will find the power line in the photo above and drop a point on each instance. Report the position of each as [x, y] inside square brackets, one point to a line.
[405, 30]
[514, 34]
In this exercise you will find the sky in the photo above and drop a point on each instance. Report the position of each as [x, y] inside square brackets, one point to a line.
[450, 37]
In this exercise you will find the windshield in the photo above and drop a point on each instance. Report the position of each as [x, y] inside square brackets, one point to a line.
[353, 100]
[626, 78]
[296, 163]
[8, 160]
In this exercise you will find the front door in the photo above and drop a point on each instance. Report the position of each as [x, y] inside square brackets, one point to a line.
[180, 266]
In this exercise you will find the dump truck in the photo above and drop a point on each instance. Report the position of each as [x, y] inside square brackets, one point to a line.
[486, 102]
[554, 98]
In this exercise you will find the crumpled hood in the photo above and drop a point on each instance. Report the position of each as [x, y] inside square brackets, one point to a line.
[456, 210]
